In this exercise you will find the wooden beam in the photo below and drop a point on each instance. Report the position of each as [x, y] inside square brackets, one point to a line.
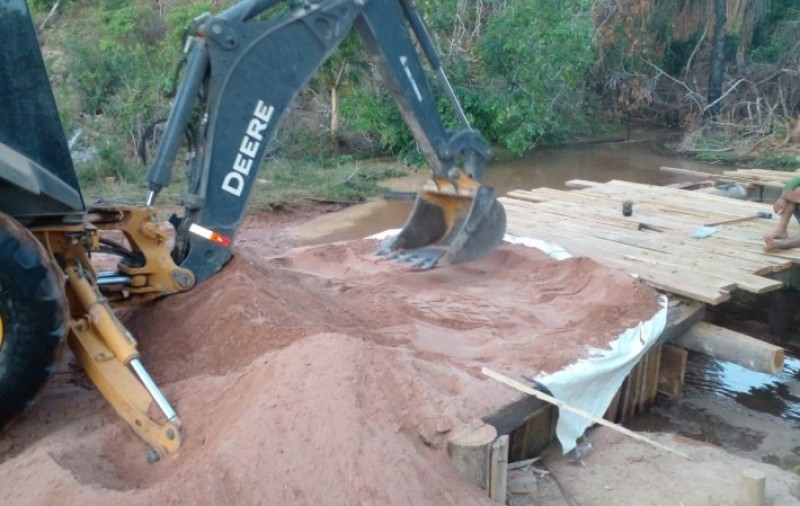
[732, 346]
[672, 370]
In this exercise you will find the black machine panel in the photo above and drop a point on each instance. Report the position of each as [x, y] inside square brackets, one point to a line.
[29, 119]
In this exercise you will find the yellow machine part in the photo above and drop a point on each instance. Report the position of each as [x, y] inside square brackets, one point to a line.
[105, 349]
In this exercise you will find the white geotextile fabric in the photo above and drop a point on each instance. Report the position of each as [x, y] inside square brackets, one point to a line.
[591, 383]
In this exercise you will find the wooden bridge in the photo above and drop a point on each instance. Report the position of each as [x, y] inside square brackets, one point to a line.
[656, 242]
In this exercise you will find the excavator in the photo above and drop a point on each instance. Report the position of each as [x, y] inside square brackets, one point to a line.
[243, 69]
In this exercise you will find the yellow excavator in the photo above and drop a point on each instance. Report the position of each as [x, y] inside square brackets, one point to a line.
[243, 69]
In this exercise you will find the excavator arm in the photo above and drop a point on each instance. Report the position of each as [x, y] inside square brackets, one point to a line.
[244, 75]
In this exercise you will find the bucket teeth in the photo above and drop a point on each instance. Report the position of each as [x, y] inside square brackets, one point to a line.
[420, 258]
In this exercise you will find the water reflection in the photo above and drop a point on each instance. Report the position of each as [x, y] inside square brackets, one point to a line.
[776, 394]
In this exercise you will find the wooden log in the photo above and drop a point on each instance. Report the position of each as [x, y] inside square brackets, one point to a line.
[751, 492]
[671, 370]
[731, 346]
[498, 470]
[469, 452]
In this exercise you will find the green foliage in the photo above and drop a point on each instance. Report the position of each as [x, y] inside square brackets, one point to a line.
[290, 182]
[771, 159]
[776, 33]
[534, 57]
[374, 113]
[116, 65]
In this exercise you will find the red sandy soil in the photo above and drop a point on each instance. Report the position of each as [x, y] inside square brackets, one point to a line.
[319, 375]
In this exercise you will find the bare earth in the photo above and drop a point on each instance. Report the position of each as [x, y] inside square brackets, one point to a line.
[322, 375]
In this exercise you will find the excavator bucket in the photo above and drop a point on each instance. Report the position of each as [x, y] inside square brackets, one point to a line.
[451, 223]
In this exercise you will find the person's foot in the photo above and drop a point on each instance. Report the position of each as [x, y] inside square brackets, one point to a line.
[772, 243]
[779, 234]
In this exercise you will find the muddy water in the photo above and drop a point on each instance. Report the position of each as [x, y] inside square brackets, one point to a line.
[638, 160]
[775, 394]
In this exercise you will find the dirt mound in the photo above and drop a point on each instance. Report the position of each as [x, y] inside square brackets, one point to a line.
[318, 377]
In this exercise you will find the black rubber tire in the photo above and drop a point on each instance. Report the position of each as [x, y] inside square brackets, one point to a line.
[33, 309]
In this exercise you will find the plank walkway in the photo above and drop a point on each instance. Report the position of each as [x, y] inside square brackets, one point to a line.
[755, 177]
[589, 222]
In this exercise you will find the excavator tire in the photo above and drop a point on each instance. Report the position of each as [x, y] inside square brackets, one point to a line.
[33, 317]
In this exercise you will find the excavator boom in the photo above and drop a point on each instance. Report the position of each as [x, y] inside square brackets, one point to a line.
[248, 74]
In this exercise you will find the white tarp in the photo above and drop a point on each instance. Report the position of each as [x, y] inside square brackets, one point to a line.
[591, 383]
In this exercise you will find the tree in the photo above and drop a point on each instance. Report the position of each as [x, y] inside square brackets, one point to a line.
[534, 58]
[716, 72]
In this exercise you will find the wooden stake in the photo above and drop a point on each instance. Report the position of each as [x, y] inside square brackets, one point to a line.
[562, 405]
[498, 470]
[751, 492]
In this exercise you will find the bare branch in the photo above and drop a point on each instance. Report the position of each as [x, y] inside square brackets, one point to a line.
[737, 83]
[49, 14]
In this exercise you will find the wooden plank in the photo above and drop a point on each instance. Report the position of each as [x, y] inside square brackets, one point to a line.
[659, 248]
[688, 172]
[693, 203]
[713, 203]
[765, 174]
[632, 392]
[698, 284]
[701, 202]
[653, 366]
[513, 415]
[748, 245]
[685, 215]
[672, 370]
[728, 278]
[694, 285]
[498, 470]
[581, 183]
[612, 412]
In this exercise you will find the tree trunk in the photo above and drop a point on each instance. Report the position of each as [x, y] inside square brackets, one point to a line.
[334, 112]
[717, 59]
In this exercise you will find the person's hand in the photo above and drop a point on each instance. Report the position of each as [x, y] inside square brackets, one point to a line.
[779, 205]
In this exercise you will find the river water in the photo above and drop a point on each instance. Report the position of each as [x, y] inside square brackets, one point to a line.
[638, 161]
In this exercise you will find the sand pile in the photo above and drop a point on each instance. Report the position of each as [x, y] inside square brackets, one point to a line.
[322, 376]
